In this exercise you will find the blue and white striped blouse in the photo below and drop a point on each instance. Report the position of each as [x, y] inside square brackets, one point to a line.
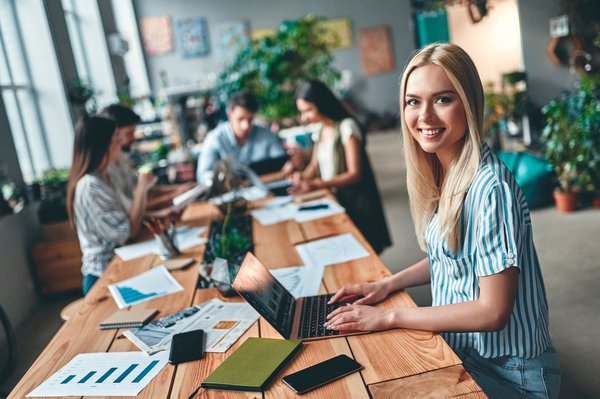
[497, 233]
[101, 221]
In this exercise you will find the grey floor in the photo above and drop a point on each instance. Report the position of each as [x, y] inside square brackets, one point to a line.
[568, 247]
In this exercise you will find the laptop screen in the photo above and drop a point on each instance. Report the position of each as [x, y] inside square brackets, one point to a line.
[269, 165]
[265, 294]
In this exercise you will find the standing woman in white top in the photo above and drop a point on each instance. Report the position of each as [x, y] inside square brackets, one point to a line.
[93, 204]
[340, 162]
[471, 217]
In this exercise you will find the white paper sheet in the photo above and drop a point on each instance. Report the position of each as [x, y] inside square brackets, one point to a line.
[331, 250]
[281, 209]
[223, 323]
[186, 237]
[103, 374]
[300, 280]
[277, 210]
[154, 283]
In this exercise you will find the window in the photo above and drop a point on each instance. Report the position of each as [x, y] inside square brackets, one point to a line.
[19, 97]
[32, 90]
[86, 32]
[134, 57]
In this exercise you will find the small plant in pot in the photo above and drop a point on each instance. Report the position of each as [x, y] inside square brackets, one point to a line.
[231, 238]
[571, 141]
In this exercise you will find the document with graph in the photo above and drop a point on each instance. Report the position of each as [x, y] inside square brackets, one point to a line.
[152, 284]
[103, 374]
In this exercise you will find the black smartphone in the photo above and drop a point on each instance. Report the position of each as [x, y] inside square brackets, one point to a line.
[187, 346]
[321, 373]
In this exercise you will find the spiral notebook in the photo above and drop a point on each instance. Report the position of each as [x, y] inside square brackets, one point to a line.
[128, 319]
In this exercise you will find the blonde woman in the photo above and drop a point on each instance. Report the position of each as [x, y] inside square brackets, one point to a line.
[472, 219]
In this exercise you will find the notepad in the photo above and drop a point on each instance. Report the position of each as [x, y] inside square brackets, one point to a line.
[252, 366]
[128, 319]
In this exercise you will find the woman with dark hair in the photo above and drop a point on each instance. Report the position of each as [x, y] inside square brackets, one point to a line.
[340, 162]
[101, 220]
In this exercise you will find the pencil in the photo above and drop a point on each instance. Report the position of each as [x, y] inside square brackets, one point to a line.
[150, 227]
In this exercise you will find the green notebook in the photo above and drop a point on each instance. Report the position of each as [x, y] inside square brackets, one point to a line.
[253, 364]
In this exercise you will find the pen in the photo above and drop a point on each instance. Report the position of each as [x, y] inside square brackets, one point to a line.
[313, 207]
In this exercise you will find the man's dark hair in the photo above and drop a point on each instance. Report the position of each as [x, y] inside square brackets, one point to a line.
[244, 99]
[123, 116]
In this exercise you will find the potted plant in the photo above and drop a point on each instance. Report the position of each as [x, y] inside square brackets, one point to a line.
[271, 67]
[231, 238]
[571, 140]
[506, 109]
[52, 210]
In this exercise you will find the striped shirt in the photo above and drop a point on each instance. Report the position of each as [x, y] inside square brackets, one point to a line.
[101, 221]
[123, 178]
[497, 234]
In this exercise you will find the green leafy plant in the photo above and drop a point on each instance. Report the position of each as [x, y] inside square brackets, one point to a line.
[83, 94]
[53, 186]
[271, 67]
[571, 136]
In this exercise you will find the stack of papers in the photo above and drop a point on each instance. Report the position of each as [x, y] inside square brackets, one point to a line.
[223, 323]
[185, 237]
[282, 209]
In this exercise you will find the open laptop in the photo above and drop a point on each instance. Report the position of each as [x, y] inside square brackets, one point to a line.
[293, 318]
[269, 165]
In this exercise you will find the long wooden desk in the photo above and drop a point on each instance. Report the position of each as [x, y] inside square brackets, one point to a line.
[396, 364]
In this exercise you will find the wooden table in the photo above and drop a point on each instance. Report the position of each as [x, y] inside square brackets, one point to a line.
[396, 364]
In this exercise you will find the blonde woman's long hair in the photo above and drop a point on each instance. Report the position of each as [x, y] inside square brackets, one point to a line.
[426, 188]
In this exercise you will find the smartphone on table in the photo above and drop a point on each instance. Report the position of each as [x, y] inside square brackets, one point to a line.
[321, 373]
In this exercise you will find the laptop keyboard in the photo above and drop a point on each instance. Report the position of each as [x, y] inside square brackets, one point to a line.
[314, 313]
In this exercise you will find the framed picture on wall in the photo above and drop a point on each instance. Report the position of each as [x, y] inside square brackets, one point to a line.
[192, 37]
[375, 47]
[338, 33]
[232, 36]
[157, 35]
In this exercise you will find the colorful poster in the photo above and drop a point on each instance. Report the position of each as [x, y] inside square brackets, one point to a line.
[157, 35]
[338, 33]
[376, 50]
[192, 37]
[232, 36]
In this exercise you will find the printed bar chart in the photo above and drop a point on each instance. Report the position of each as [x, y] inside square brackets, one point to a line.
[145, 371]
[66, 380]
[103, 374]
[106, 375]
[131, 295]
[87, 377]
[125, 373]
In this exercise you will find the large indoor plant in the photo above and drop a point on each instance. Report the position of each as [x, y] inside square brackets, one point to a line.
[272, 66]
[571, 139]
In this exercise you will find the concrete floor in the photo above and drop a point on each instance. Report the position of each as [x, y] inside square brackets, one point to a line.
[568, 247]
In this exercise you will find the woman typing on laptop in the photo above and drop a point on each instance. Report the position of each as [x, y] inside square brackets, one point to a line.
[473, 220]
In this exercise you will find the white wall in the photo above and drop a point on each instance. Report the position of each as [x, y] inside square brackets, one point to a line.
[494, 43]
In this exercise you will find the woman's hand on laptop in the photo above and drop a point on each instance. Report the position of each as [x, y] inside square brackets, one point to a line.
[362, 294]
[360, 318]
